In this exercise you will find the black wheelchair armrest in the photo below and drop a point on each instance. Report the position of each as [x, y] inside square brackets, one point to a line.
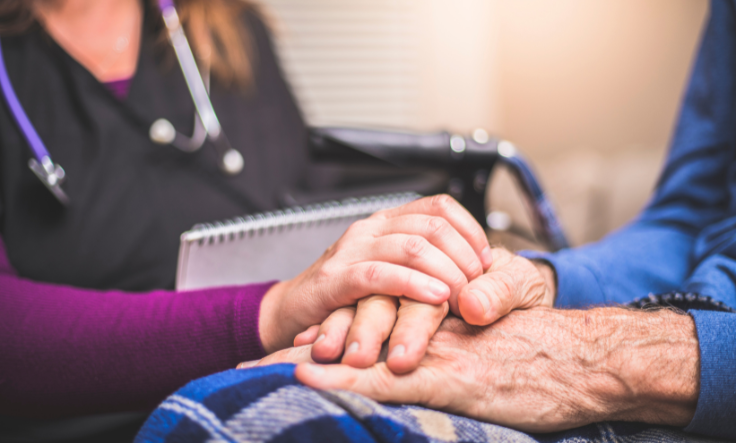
[439, 150]
[468, 161]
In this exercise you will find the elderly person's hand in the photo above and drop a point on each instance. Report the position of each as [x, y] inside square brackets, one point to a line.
[541, 369]
[425, 251]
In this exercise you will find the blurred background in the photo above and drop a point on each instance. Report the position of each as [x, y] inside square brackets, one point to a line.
[588, 91]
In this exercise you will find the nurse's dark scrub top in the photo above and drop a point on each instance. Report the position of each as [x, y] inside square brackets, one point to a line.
[131, 198]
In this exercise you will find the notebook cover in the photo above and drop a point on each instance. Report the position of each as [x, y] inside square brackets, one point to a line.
[270, 246]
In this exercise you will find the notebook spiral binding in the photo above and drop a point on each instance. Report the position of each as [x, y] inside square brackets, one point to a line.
[295, 217]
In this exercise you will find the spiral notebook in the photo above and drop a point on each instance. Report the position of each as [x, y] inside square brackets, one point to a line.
[270, 246]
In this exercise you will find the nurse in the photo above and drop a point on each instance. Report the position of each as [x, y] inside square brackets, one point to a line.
[88, 321]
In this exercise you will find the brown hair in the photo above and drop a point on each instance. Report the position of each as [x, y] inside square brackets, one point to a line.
[215, 29]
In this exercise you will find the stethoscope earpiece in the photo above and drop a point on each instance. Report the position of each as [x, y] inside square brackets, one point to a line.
[232, 162]
[162, 132]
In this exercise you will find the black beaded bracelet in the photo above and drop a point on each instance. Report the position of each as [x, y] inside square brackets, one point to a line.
[680, 300]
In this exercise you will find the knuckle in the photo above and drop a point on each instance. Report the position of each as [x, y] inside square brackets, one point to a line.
[319, 278]
[527, 273]
[343, 318]
[324, 273]
[431, 313]
[475, 269]
[500, 283]
[472, 268]
[437, 226]
[373, 274]
[377, 302]
[379, 215]
[415, 246]
[356, 228]
[409, 280]
[334, 249]
[459, 280]
[337, 247]
[443, 202]
[503, 290]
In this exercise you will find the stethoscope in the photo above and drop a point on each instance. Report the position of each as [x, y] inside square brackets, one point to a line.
[206, 124]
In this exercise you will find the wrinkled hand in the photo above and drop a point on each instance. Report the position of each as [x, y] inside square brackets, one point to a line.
[512, 282]
[426, 251]
[540, 370]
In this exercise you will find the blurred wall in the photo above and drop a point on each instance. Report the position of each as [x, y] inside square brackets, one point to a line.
[587, 89]
[601, 74]
[460, 75]
[590, 91]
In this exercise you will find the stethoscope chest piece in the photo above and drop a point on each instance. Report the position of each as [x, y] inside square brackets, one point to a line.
[52, 175]
[232, 162]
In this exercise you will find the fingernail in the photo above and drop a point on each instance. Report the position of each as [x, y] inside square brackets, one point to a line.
[486, 256]
[315, 369]
[438, 289]
[247, 364]
[397, 351]
[482, 299]
[320, 338]
[354, 346]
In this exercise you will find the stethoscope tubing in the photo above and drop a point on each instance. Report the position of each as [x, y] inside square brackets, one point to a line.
[19, 114]
[231, 161]
[189, 67]
[52, 174]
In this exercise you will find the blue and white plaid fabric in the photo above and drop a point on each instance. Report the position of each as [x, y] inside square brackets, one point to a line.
[267, 404]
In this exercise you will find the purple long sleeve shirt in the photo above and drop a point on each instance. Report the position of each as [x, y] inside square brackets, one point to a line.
[69, 351]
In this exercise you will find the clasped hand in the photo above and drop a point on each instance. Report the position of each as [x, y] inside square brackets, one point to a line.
[397, 274]
[529, 367]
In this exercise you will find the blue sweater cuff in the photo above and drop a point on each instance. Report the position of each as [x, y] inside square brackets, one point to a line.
[715, 414]
[577, 285]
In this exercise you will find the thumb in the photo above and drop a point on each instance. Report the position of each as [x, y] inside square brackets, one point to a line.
[487, 298]
[515, 284]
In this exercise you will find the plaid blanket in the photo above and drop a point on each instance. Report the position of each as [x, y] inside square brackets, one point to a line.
[268, 404]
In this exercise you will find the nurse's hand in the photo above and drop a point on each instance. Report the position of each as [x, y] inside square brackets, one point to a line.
[426, 251]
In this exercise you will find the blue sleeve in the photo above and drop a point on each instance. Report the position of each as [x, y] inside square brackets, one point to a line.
[636, 261]
[715, 413]
[716, 410]
[656, 252]
[715, 276]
